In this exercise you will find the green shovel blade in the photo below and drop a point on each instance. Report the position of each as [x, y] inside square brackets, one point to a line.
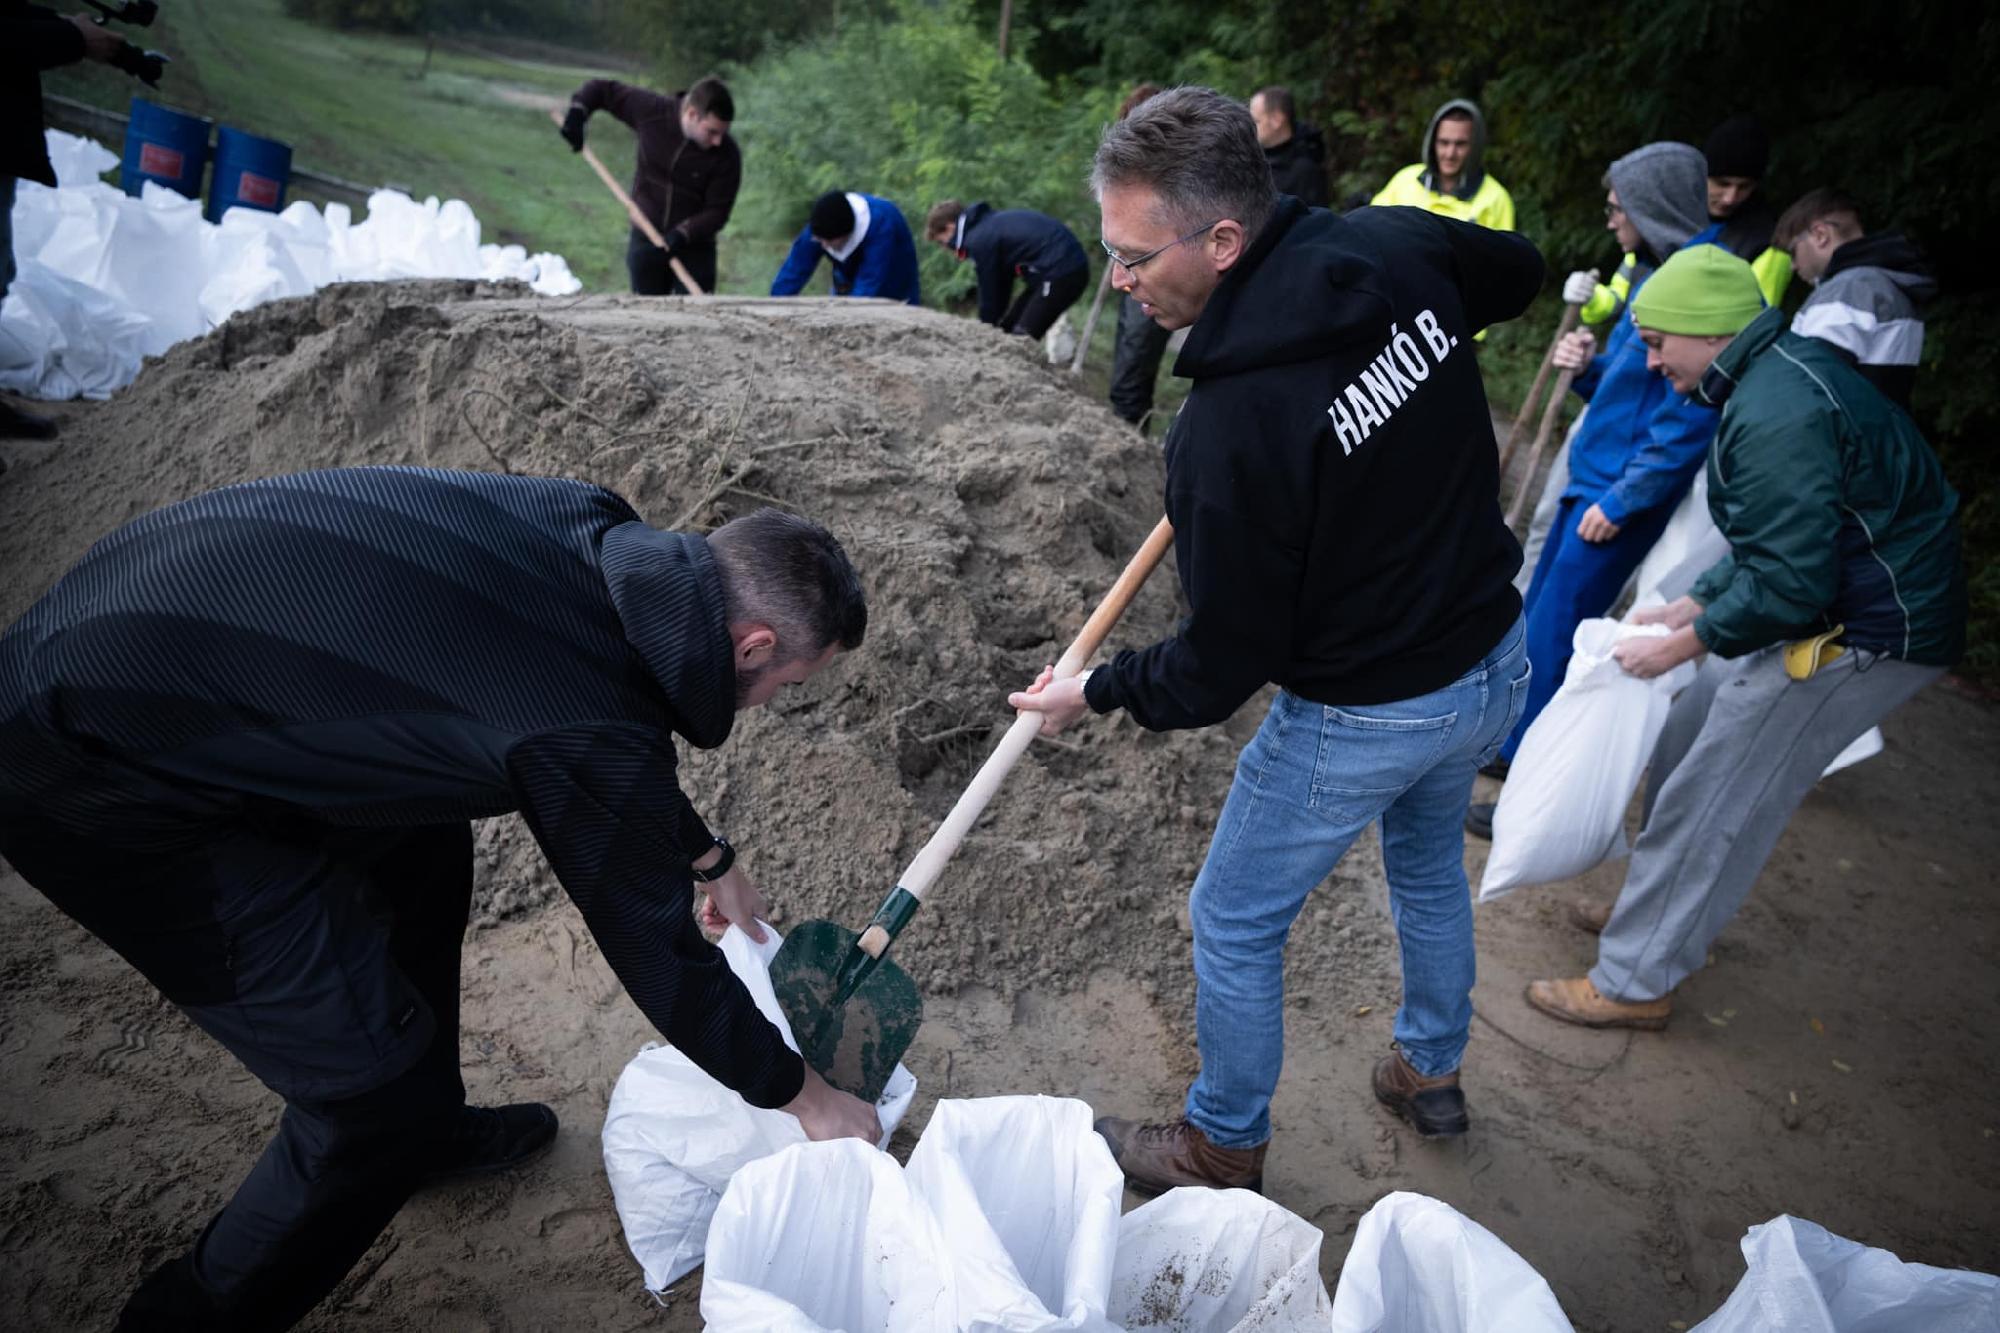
[854, 1045]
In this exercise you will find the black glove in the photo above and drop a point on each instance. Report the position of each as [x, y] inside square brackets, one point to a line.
[572, 127]
[677, 241]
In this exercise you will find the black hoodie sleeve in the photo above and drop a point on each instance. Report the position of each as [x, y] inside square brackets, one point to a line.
[1242, 505]
[996, 279]
[604, 805]
[1499, 272]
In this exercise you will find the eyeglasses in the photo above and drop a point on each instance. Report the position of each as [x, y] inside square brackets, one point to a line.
[1129, 264]
[1613, 211]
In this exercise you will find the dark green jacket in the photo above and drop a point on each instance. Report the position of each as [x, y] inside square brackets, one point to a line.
[1836, 509]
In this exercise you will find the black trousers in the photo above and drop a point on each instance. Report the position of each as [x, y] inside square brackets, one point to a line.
[329, 965]
[1042, 302]
[1135, 362]
[652, 275]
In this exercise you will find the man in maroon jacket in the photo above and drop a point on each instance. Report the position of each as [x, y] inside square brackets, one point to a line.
[689, 169]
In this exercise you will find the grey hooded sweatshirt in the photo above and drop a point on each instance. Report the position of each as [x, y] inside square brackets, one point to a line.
[1663, 189]
[1474, 174]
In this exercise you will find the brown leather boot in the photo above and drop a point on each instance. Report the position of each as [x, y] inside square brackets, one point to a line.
[1165, 1154]
[1575, 1000]
[1433, 1106]
[1593, 917]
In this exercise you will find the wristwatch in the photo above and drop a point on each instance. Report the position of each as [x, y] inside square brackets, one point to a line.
[720, 868]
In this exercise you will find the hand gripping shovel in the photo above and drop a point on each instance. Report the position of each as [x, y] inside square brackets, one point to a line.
[853, 1014]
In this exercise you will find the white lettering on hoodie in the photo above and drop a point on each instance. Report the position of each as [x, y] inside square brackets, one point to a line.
[1387, 382]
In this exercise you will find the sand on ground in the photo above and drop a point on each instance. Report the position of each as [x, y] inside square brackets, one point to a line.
[1833, 1062]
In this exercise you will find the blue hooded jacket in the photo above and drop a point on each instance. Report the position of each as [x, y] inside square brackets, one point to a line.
[884, 264]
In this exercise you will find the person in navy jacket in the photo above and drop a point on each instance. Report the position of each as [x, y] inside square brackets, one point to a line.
[1008, 244]
[868, 242]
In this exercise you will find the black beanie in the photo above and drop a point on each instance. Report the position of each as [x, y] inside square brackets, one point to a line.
[1738, 147]
[833, 216]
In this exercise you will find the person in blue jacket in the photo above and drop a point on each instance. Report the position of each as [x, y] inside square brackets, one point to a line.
[1008, 244]
[868, 242]
[1638, 449]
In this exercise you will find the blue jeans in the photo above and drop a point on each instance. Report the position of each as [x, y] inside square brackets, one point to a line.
[1575, 581]
[1309, 782]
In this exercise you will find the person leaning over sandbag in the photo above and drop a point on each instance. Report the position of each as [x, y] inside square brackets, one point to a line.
[1008, 244]
[1334, 490]
[1841, 597]
[866, 240]
[1636, 451]
[241, 743]
[686, 179]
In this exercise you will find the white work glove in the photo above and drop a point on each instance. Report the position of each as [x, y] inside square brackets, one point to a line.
[1579, 287]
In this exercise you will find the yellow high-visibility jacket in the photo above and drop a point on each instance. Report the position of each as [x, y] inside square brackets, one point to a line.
[1490, 205]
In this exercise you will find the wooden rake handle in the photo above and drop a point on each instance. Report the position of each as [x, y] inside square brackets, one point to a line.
[639, 220]
[1568, 322]
[924, 869]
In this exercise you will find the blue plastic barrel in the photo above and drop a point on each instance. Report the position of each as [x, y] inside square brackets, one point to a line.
[165, 146]
[249, 173]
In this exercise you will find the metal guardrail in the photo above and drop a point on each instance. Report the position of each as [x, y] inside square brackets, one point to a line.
[66, 113]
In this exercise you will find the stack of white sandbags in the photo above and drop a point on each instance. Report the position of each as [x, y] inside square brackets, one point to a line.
[105, 279]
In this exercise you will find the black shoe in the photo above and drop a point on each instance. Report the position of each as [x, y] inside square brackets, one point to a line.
[1497, 769]
[1479, 821]
[490, 1139]
[1434, 1107]
[18, 425]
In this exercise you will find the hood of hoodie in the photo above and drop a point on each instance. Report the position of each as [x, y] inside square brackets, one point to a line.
[1320, 292]
[1474, 174]
[669, 598]
[1896, 255]
[967, 220]
[1663, 188]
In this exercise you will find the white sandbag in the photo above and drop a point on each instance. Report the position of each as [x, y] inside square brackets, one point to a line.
[1804, 1279]
[1687, 547]
[62, 339]
[1418, 1265]
[674, 1138]
[1562, 809]
[826, 1237]
[1029, 1195]
[1218, 1261]
[1059, 343]
[78, 161]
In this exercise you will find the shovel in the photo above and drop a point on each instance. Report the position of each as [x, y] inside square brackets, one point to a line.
[855, 1014]
[639, 220]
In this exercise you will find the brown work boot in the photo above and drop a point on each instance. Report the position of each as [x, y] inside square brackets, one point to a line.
[1575, 1000]
[1433, 1106]
[1593, 917]
[1163, 1155]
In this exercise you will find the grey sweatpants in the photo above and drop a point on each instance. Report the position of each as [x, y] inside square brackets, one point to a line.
[1741, 748]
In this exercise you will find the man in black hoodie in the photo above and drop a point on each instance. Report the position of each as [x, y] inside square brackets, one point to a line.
[1297, 153]
[1333, 487]
[242, 742]
[1014, 243]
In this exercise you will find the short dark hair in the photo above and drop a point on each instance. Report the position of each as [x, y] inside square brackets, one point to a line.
[710, 97]
[943, 216]
[1279, 99]
[1199, 151]
[832, 216]
[1821, 205]
[788, 572]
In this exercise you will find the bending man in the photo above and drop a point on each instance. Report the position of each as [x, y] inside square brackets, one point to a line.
[242, 742]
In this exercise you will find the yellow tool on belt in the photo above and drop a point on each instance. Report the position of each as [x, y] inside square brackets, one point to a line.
[1805, 657]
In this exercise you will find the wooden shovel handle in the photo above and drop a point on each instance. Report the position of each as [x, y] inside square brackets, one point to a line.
[639, 220]
[1570, 315]
[924, 869]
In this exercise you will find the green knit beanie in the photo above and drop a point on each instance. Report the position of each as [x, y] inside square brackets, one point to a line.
[1702, 290]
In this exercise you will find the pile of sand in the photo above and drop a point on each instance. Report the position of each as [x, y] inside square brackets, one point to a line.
[987, 504]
